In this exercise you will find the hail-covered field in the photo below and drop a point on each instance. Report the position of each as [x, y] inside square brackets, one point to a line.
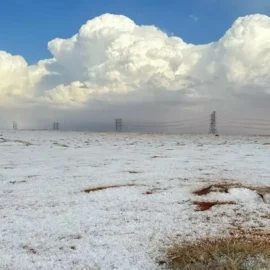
[71, 200]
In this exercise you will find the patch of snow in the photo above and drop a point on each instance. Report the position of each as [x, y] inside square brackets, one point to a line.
[267, 198]
[48, 222]
[245, 195]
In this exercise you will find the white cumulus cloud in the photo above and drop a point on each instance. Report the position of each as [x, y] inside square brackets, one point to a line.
[113, 60]
[111, 54]
[17, 79]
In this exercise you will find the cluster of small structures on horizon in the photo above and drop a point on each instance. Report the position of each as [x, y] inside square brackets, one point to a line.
[119, 125]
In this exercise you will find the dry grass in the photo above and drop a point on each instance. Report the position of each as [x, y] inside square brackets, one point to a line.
[224, 188]
[261, 190]
[234, 253]
[88, 190]
[3, 140]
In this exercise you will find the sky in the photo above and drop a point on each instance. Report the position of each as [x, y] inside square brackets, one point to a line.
[28, 25]
[156, 60]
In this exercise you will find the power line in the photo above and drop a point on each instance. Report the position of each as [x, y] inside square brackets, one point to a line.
[245, 127]
[243, 123]
[166, 124]
[199, 123]
[245, 119]
[179, 121]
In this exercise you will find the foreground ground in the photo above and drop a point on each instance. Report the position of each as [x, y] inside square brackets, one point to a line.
[144, 201]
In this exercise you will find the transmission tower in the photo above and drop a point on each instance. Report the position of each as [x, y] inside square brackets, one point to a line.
[15, 126]
[213, 124]
[118, 125]
[55, 126]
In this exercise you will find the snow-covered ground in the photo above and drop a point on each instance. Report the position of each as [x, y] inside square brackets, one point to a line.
[49, 222]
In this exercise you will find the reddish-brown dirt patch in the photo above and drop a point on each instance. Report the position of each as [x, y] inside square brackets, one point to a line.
[204, 206]
[154, 190]
[88, 190]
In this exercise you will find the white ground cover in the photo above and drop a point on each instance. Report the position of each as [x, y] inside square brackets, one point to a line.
[48, 222]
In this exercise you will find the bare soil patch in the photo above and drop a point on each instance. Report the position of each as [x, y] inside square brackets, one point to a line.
[204, 206]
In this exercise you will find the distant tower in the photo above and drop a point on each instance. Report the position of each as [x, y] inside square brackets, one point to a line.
[118, 125]
[55, 126]
[15, 126]
[213, 124]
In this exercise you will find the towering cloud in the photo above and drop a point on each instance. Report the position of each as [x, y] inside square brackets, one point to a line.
[113, 60]
[17, 79]
[111, 54]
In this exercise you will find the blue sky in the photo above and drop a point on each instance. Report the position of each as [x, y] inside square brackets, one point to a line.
[27, 26]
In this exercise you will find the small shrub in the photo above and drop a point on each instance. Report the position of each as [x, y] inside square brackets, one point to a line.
[234, 253]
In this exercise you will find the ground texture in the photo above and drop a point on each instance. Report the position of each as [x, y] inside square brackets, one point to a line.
[71, 200]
